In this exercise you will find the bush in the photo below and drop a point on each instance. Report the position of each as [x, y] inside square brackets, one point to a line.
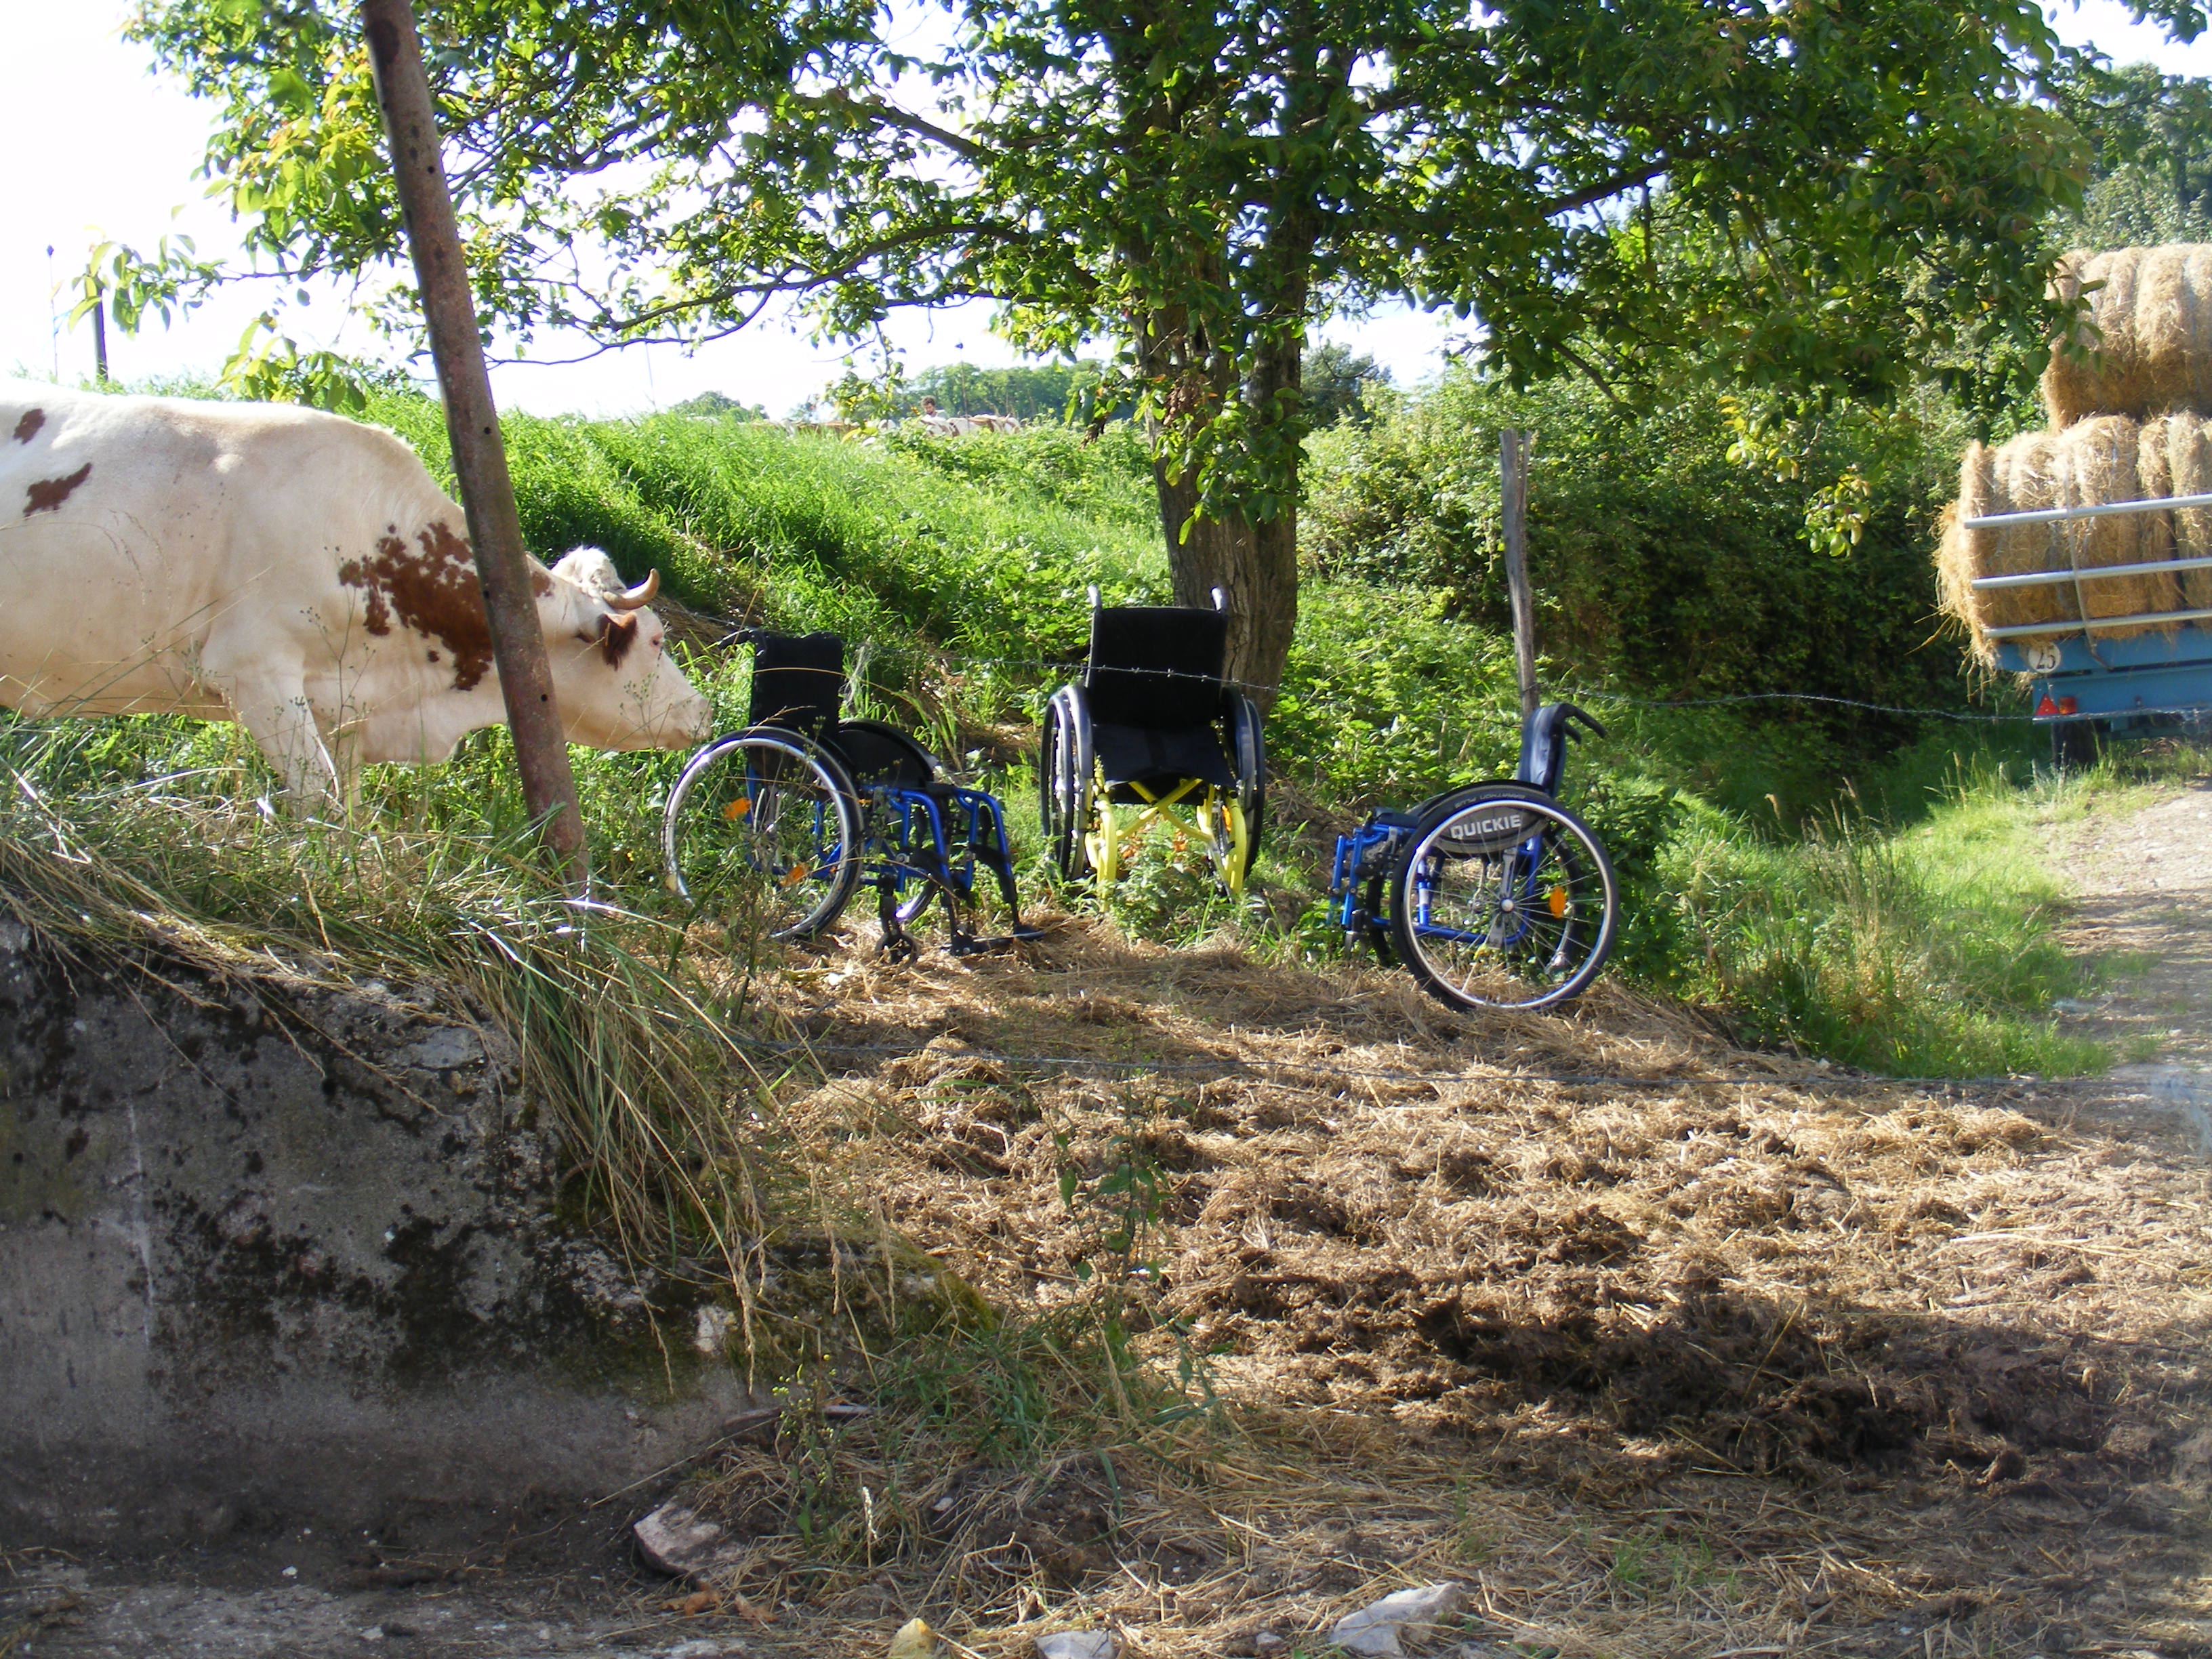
[1661, 567]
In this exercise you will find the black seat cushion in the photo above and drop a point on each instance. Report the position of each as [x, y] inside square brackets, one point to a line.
[799, 681]
[1161, 759]
[1156, 667]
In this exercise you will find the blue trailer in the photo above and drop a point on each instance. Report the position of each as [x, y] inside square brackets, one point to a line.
[2082, 683]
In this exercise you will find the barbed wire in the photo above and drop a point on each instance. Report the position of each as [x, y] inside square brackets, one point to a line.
[1968, 716]
[1076, 666]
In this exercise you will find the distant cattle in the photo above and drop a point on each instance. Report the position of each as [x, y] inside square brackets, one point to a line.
[295, 572]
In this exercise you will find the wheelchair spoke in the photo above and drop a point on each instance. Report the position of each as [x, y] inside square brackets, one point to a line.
[762, 833]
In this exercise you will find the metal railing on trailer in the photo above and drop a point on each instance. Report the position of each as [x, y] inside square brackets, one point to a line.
[2163, 666]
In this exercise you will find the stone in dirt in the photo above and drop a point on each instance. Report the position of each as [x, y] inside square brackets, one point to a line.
[1078, 1645]
[684, 1543]
[914, 1640]
[1375, 1629]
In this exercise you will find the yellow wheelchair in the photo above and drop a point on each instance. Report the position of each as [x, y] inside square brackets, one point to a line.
[1152, 736]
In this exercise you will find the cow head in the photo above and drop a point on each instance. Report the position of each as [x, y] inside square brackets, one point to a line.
[612, 672]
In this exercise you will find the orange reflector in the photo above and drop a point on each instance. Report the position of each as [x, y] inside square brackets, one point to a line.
[797, 875]
[1558, 901]
[737, 808]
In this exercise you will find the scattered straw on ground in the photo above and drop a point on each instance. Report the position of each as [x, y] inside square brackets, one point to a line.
[1690, 1369]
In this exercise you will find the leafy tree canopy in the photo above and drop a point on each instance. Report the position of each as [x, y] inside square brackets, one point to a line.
[2150, 136]
[1805, 197]
[716, 403]
[1335, 382]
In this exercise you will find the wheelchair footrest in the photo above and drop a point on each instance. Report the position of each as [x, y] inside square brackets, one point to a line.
[964, 946]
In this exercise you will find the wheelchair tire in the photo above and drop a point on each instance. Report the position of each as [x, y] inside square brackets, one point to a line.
[762, 830]
[1247, 755]
[1063, 788]
[1505, 899]
[876, 752]
[1377, 897]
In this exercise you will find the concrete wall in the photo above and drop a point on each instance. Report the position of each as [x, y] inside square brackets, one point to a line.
[290, 1260]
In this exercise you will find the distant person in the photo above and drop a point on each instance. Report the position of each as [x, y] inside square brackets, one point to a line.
[929, 409]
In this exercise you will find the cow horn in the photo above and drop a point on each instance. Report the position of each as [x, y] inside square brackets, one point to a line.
[636, 599]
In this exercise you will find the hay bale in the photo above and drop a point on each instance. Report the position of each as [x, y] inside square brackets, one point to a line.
[2101, 460]
[1965, 553]
[2105, 459]
[2144, 348]
[2188, 452]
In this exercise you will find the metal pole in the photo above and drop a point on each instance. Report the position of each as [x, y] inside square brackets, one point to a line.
[100, 335]
[517, 639]
[1513, 473]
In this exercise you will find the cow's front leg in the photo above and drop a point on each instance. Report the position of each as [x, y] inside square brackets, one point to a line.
[282, 722]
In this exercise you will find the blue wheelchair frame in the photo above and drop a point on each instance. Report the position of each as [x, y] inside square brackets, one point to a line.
[907, 841]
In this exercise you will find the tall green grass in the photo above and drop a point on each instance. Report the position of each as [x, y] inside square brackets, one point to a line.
[1930, 951]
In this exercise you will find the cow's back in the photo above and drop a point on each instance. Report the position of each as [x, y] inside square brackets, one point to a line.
[137, 533]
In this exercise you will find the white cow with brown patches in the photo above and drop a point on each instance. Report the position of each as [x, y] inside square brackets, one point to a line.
[295, 572]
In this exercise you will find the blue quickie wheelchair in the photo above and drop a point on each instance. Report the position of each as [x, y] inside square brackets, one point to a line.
[1494, 896]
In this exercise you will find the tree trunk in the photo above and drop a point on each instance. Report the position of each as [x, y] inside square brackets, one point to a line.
[1255, 565]
[1253, 561]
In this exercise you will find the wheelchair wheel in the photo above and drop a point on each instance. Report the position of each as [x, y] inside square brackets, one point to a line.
[1504, 900]
[1229, 841]
[1377, 897]
[1064, 784]
[876, 752]
[1247, 753]
[762, 831]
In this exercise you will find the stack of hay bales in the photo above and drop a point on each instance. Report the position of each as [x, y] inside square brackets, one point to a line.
[2131, 421]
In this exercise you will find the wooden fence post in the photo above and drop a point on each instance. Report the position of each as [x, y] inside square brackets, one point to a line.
[1513, 449]
[518, 640]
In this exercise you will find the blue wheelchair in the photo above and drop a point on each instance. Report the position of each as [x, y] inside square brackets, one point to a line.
[1493, 895]
[773, 829]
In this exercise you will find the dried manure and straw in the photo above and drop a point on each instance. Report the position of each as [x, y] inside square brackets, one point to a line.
[2106, 459]
[1677, 1370]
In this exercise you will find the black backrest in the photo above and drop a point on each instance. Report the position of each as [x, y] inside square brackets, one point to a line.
[1156, 666]
[799, 681]
[1544, 736]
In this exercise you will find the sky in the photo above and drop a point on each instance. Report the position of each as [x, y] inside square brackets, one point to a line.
[127, 175]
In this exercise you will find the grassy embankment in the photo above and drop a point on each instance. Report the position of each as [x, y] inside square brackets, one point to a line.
[1915, 937]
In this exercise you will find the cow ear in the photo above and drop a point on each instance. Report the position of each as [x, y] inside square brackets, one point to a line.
[616, 635]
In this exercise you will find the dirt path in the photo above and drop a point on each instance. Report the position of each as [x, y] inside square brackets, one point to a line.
[2144, 878]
